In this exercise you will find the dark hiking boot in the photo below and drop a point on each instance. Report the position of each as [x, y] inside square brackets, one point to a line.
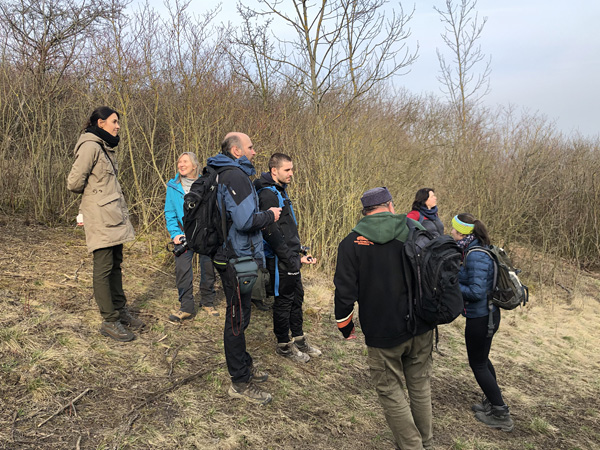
[484, 406]
[117, 331]
[261, 305]
[290, 351]
[258, 376]
[250, 393]
[132, 322]
[497, 417]
[304, 346]
[180, 316]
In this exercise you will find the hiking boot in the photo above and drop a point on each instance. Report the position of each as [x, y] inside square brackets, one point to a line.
[132, 322]
[304, 347]
[484, 406]
[289, 350]
[117, 331]
[258, 376]
[211, 311]
[250, 393]
[260, 305]
[497, 417]
[180, 316]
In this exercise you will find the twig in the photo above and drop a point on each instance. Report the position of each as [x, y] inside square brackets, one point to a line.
[12, 433]
[62, 408]
[156, 268]
[173, 361]
[153, 396]
[78, 269]
[566, 289]
[77, 445]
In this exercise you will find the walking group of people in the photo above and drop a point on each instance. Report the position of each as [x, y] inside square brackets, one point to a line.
[261, 224]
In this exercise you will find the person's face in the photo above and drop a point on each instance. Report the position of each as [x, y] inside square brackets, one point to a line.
[284, 173]
[431, 201]
[110, 125]
[456, 235]
[247, 148]
[185, 167]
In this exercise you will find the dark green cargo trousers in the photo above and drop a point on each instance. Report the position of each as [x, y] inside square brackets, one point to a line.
[410, 422]
[108, 282]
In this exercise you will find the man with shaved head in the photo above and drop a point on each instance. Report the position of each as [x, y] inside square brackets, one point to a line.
[238, 204]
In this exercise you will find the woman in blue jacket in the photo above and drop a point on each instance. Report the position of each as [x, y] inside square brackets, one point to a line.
[188, 168]
[476, 279]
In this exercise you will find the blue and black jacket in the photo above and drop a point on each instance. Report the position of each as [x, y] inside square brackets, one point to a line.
[237, 195]
[281, 238]
[476, 279]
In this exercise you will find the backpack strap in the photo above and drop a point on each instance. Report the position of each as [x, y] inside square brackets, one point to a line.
[280, 198]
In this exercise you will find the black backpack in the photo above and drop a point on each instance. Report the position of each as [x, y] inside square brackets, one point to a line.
[204, 228]
[508, 292]
[435, 263]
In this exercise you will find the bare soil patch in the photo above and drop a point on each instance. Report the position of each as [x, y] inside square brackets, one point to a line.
[168, 388]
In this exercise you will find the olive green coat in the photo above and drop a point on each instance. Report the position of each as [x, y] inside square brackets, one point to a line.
[105, 215]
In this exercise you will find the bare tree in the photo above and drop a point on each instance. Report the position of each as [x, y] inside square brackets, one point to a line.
[251, 54]
[463, 81]
[344, 46]
[49, 36]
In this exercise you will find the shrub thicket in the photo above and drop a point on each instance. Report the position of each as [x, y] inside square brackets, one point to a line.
[177, 91]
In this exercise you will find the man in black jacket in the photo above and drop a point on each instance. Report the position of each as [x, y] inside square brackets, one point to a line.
[372, 271]
[284, 258]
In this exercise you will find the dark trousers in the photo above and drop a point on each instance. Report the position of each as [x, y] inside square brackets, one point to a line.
[478, 351]
[108, 282]
[184, 277]
[237, 319]
[287, 308]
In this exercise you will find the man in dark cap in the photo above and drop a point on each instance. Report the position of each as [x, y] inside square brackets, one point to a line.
[372, 271]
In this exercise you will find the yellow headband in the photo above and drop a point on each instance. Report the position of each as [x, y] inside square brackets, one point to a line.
[462, 227]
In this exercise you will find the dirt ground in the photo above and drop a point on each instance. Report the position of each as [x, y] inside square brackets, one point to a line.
[65, 386]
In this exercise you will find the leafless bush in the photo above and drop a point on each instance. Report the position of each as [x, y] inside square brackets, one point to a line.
[175, 82]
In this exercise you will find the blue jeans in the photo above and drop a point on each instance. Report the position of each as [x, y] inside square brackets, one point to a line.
[184, 276]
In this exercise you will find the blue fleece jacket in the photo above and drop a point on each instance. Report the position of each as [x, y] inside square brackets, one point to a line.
[174, 207]
[476, 279]
[238, 196]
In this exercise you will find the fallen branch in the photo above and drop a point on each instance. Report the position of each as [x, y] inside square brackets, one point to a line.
[62, 408]
[176, 385]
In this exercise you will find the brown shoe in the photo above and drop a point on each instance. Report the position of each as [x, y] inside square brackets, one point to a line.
[211, 311]
[117, 331]
[180, 316]
[250, 393]
[132, 322]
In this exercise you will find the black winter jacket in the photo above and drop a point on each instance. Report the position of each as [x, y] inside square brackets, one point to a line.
[281, 237]
[371, 271]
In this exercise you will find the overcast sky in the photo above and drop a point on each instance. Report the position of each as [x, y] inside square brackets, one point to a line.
[545, 55]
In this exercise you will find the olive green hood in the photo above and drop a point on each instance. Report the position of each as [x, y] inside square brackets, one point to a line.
[383, 227]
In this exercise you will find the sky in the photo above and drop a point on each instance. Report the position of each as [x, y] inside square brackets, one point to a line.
[545, 55]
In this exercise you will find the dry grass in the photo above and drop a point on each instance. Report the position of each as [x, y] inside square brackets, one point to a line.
[168, 388]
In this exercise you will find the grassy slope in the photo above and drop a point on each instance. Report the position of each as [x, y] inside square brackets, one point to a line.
[168, 389]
